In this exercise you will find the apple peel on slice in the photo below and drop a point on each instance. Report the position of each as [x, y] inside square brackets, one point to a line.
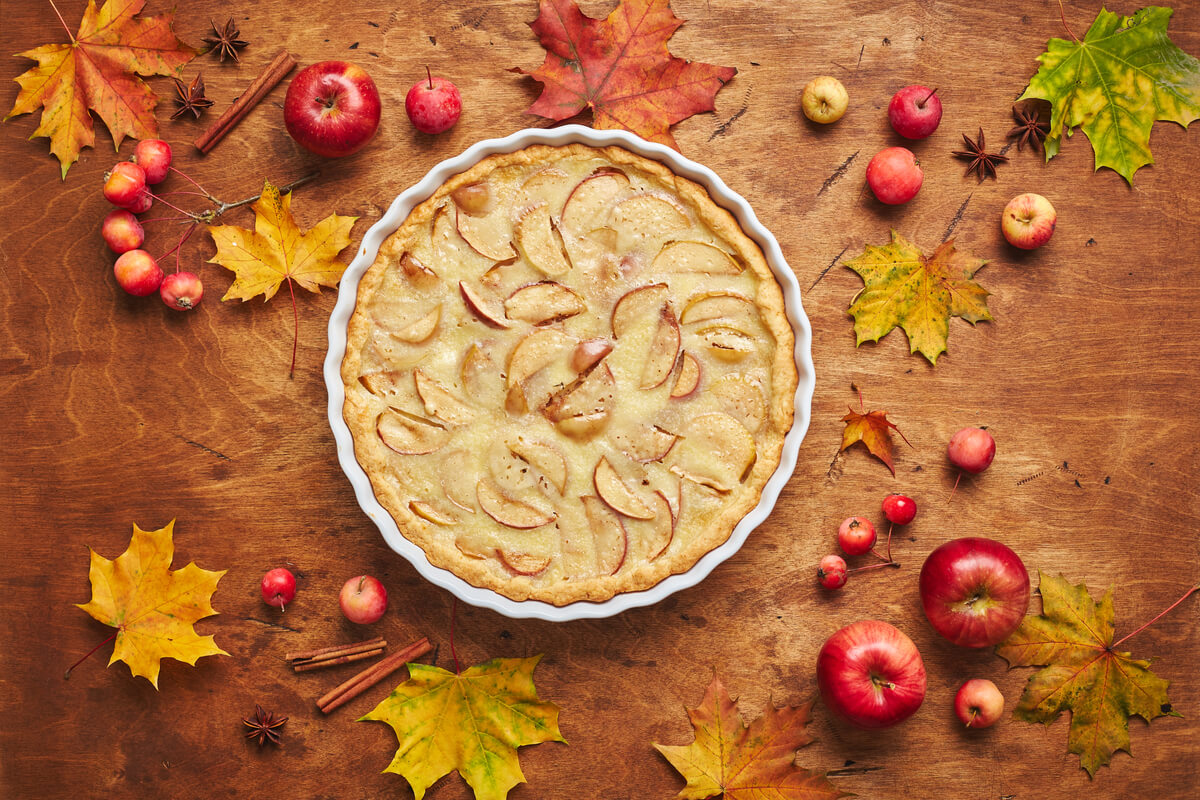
[637, 306]
[508, 512]
[688, 378]
[543, 303]
[421, 329]
[542, 457]
[441, 402]
[660, 531]
[536, 351]
[489, 236]
[419, 275]
[609, 534]
[617, 494]
[431, 513]
[590, 203]
[541, 243]
[481, 307]
[521, 563]
[664, 350]
[717, 305]
[727, 344]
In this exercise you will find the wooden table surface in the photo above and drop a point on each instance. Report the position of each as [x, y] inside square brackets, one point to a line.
[120, 411]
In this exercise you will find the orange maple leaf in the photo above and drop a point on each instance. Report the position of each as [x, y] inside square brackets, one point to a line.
[620, 68]
[871, 428]
[152, 607]
[746, 762]
[99, 71]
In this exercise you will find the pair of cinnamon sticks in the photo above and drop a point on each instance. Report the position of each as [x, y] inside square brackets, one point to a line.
[345, 654]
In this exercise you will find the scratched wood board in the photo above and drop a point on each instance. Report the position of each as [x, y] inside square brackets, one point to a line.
[118, 410]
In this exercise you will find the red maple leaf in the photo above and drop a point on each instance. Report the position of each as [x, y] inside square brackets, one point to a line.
[620, 68]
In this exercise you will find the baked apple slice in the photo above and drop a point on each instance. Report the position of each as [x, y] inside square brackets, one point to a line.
[617, 494]
[646, 217]
[609, 534]
[480, 377]
[583, 408]
[591, 202]
[664, 350]
[490, 236]
[431, 513]
[727, 344]
[740, 396]
[451, 253]
[419, 275]
[588, 353]
[695, 257]
[544, 458]
[509, 512]
[519, 562]
[543, 303]
[540, 242]
[688, 378]
[550, 186]
[441, 402]
[661, 530]
[481, 306]
[475, 198]
[716, 451]
[644, 443]
[709, 306]
[638, 306]
[456, 476]
[420, 329]
[538, 350]
[409, 434]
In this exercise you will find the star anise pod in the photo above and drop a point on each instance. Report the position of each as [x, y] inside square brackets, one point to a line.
[1030, 128]
[982, 163]
[265, 726]
[225, 41]
[190, 97]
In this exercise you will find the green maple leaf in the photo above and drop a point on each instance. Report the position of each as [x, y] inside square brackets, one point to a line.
[1072, 641]
[472, 722]
[904, 288]
[1124, 75]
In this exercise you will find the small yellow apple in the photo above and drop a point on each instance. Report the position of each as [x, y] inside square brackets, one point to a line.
[824, 99]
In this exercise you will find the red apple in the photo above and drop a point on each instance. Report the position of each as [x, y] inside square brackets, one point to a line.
[974, 591]
[433, 104]
[332, 108]
[363, 599]
[895, 175]
[978, 703]
[138, 273]
[1028, 221]
[871, 674]
[915, 111]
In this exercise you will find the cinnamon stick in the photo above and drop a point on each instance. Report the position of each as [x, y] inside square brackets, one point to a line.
[347, 691]
[264, 83]
[307, 666]
[336, 650]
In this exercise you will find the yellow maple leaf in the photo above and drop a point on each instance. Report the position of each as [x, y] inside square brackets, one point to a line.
[152, 608]
[743, 762]
[276, 250]
[472, 722]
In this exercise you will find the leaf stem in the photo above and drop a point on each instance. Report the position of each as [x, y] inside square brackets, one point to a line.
[1162, 614]
[296, 326]
[453, 652]
[1062, 14]
[67, 674]
[68, 30]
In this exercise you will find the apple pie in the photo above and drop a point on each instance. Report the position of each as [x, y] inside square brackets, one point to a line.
[568, 374]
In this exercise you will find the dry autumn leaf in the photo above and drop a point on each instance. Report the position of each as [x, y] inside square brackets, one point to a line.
[1125, 74]
[99, 71]
[472, 722]
[746, 763]
[872, 429]
[902, 287]
[152, 608]
[1072, 640]
[277, 250]
[620, 69]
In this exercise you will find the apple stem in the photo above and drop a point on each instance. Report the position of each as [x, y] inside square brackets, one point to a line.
[67, 674]
[1162, 614]
[193, 182]
[895, 564]
[453, 652]
[974, 714]
[955, 489]
[922, 103]
[429, 76]
[223, 207]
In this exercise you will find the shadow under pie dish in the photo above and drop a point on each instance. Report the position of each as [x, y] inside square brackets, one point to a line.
[568, 374]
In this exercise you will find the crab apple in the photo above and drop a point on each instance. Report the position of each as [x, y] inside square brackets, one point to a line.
[824, 99]
[142, 204]
[915, 112]
[832, 572]
[363, 599]
[978, 703]
[899, 509]
[856, 535]
[153, 156]
[138, 273]
[122, 231]
[1028, 221]
[278, 587]
[181, 291]
[433, 104]
[124, 183]
[971, 450]
[895, 175]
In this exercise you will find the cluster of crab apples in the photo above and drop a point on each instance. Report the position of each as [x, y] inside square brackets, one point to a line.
[974, 592]
[895, 174]
[127, 186]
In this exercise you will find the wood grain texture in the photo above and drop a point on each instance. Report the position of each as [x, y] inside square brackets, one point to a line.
[119, 410]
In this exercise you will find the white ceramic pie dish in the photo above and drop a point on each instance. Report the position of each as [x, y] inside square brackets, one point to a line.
[396, 214]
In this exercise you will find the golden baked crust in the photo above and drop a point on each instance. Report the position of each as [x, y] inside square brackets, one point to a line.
[490, 431]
